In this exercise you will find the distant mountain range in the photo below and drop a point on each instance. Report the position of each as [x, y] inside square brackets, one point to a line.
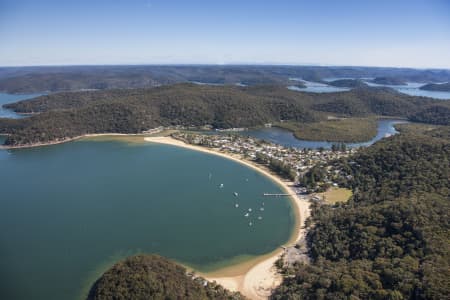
[75, 78]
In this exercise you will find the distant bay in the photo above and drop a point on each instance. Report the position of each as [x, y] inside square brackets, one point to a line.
[410, 88]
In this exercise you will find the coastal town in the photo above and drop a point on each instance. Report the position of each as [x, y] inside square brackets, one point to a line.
[290, 163]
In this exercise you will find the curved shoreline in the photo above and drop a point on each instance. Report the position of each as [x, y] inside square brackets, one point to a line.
[254, 278]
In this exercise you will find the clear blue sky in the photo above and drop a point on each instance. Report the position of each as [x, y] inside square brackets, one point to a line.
[408, 33]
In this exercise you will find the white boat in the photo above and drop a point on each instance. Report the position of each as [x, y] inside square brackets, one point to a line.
[259, 218]
[236, 205]
[246, 215]
[221, 185]
[250, 209]
[250, 224]
[261, 209]
[236, 194]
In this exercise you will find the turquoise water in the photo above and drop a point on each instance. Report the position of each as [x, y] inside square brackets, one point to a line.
[69, 211]
[286, 138]
[9, 98]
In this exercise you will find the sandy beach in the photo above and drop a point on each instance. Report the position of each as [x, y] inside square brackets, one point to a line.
[257, 277]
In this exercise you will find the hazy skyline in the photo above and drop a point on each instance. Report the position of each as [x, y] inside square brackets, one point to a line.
[354, 33]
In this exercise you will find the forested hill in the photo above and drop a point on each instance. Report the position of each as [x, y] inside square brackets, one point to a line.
[391, 240]
[72, 78]
[154, 277]
[70, 114]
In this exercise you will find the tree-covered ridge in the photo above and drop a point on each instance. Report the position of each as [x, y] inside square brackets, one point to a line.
[154, 277]
[436, 114]
[391, 240]
[70, 114]
[401, 167]
[441, 87]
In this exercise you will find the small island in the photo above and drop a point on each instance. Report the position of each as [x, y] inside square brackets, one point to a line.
[388, 81]
[437, 87]
[348, 83]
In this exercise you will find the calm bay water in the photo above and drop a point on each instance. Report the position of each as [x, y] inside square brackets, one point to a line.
[69, 211]
[286, 138]
[9, 98]
[411, 88]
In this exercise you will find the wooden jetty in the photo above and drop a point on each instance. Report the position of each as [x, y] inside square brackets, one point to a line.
[277, 195]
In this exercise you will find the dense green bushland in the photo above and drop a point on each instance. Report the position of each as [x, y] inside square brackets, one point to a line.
[69, 114]
[391, 240]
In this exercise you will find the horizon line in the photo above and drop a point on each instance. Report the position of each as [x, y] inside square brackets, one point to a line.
[224, 65]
